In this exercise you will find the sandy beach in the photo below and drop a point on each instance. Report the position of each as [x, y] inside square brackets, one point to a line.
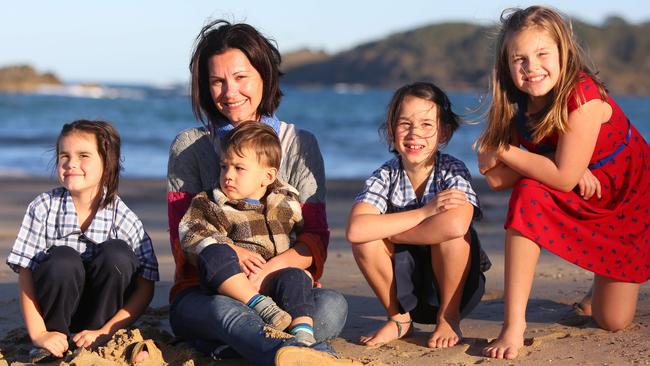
[555, 335]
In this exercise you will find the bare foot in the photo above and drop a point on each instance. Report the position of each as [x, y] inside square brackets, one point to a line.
[507, 345]
[390, 331]
[446, 334]
[141, 356]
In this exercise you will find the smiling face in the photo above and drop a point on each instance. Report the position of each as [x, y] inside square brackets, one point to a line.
[79, 165]
[244, 176]
[534, 62]
[416, 132]
[235, 85]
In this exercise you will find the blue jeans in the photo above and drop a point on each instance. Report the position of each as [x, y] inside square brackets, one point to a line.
[217, 319]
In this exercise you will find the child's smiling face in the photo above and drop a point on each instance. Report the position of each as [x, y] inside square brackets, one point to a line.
[79, 164]
[416, 132]
[534, 63]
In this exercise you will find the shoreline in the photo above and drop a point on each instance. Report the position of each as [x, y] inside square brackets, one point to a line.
[550, 340]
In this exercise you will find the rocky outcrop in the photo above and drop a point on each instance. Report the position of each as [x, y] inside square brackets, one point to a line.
[24, 78]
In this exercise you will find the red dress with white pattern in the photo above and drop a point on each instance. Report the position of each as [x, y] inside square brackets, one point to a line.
[609, 236]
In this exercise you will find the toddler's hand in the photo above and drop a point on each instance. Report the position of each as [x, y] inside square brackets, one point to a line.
[55, 342]
[588, 185]
[249, 261]
[90, 338]
[487, 160]
[446, 200]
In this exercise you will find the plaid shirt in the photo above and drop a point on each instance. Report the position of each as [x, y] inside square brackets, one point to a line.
[267, 228]
[389, 188]
[51, 220]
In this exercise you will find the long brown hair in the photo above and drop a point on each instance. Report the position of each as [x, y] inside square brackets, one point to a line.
[554, 117]
[108, 147]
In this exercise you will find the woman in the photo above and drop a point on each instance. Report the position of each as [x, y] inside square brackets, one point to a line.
[235, 78]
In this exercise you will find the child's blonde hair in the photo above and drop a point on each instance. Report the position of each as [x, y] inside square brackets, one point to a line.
[503, 109]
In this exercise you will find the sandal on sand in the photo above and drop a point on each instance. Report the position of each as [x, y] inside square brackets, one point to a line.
[155, 356]
[575, 317]
[299, 356]
[578, 309]
[400, 327]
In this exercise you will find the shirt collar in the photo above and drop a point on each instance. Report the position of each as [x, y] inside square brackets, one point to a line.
[405, 196]
[68, 221]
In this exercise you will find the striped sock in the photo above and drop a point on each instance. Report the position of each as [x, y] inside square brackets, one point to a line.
[303, 333]
[254, 300]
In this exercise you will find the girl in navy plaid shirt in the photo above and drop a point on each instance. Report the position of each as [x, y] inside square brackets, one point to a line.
[85, 263]
[410, 227]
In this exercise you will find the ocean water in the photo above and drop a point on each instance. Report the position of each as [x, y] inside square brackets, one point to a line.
[344, 120]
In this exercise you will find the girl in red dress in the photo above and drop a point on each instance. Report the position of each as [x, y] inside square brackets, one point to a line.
[579, 172]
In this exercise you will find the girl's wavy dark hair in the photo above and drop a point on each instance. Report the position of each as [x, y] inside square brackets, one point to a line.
[108, 147]
[447, 119]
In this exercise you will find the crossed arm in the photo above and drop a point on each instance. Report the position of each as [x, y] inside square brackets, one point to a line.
[565, 169]
[446, 217]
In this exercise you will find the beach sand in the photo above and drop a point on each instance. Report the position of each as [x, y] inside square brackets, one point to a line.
[554, 336]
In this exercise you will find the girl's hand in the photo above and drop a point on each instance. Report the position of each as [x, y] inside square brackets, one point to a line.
[55, 342]
[445, 200]
[487, 160]
[90, 338]
[588, 185]
[250, 262]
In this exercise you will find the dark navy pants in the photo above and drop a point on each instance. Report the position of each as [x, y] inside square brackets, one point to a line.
[290, 288]
[74, 295]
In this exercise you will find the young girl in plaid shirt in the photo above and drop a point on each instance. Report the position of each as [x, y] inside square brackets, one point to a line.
[410, 227]
[85, 263]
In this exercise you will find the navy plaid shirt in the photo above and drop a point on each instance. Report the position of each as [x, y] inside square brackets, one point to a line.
[389, 188]
[51, 220]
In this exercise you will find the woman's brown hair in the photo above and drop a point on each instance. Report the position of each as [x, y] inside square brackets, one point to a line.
[217, 37]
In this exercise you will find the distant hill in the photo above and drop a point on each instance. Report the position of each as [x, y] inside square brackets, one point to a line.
[458, 56]
[24, 78]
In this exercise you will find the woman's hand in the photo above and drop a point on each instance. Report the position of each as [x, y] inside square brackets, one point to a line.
[487, 160]
[249, 261]
[55, 342]
[90, 338]
[588, 185]
[445, 200]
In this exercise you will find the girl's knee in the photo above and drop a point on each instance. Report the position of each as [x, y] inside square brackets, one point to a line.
[116, 253]
[613, 322]
[61, 264]
[369, 251]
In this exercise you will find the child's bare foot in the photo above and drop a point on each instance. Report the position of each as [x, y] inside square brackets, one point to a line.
[446, 334]
[393, 329]
[507, 345]
[141, 356]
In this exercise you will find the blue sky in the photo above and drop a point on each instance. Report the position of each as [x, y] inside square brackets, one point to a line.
[150, 41]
